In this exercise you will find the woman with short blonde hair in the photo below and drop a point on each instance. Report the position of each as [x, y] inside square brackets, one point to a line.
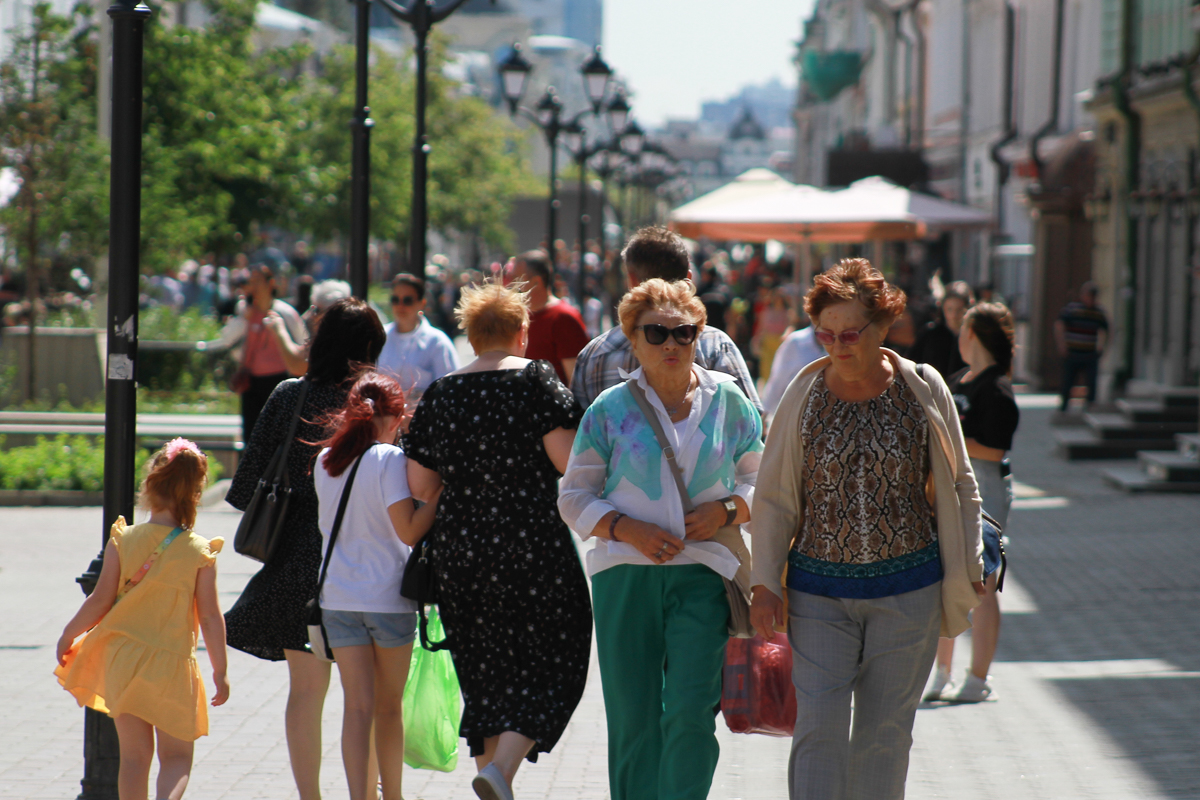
[496, 434]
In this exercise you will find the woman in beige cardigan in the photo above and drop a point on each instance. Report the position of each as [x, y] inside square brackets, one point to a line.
[865, 453]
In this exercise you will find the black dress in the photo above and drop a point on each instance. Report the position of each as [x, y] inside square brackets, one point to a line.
[514, 599]
[269, 616]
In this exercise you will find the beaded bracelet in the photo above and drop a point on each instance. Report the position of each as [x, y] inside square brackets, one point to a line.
[612, 527]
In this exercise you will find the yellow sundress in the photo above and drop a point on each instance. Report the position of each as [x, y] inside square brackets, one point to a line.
[141, 658]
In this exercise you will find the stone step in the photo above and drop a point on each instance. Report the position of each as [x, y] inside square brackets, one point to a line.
[1174, 466]
[1181, 396]
[1189, 444]
[1132, 479]
[1077, 444]
[1142, 410]
[1117, 426]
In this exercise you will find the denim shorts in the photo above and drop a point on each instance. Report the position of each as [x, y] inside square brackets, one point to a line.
[351, 628]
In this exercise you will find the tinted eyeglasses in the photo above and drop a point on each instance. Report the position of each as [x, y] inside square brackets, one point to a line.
[657, 334]
[845, 337]
[407, 300]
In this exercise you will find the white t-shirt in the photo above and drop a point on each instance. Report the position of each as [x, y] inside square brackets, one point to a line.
[368, 559]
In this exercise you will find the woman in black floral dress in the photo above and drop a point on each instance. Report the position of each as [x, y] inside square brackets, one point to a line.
[514, 598]
[268, 619]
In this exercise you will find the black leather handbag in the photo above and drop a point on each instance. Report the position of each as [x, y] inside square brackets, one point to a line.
[261, 528]
[419, 584]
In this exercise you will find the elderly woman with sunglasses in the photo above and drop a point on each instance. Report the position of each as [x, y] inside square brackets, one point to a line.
[416, 354]
[868, 501]
[659, 599]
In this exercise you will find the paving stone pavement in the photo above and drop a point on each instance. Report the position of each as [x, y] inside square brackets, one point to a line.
[1097, 676]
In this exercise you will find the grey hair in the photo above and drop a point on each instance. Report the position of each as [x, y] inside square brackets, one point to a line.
[326, 293]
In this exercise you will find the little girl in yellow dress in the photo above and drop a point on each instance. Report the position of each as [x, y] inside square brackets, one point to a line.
[137, 662]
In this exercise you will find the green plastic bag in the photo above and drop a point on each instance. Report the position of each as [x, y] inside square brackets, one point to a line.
[432, 706]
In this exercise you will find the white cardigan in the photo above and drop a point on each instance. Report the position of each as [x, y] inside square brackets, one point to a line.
[778, 510]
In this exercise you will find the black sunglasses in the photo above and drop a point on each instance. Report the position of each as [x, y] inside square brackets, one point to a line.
[657, 334]
[407, 300]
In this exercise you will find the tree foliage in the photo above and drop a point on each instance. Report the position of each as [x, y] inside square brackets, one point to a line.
[48, 138]
[237, 137]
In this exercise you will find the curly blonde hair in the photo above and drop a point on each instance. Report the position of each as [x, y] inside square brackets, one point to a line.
[492, 313]
[657, 293]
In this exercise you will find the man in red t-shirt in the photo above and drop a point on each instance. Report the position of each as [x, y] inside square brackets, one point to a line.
[556, 331]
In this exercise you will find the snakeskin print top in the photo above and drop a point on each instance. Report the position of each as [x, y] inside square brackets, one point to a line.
[868, 528]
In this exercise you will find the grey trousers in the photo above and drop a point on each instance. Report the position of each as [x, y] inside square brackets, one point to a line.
[878, 651]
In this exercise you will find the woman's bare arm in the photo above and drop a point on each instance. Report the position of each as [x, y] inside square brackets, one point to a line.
[558, 444]
[423, 483]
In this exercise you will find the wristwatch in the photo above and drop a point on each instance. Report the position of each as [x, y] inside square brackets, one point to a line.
[730, 509]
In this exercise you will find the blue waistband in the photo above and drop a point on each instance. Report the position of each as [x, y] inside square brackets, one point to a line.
[893, 576]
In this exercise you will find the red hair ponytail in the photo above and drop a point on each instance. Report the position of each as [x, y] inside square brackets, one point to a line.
[373, 395]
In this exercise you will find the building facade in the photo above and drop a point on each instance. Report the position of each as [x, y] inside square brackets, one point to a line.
[1146, 202]
[977, 101]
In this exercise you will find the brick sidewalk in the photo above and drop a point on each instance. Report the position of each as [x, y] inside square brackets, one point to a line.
[1098, 672]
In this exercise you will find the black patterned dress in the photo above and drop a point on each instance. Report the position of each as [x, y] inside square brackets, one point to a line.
[514, 598]
[269, 617]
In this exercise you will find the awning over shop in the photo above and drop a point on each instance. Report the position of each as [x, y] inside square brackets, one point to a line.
[869, 210]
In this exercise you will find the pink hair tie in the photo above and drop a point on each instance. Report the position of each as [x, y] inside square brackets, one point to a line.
[178, 445]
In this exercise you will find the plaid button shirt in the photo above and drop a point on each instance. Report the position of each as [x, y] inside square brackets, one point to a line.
[599, 364]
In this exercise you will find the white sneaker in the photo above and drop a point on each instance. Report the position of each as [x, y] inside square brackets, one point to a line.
[973, 690]
[489, 784]
[941, 677]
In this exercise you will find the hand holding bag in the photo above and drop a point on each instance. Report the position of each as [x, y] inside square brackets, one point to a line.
[318, 642]
[419, 584]
[737, 590]
[261, 527]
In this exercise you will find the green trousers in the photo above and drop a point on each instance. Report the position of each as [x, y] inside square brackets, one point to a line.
[660, 637]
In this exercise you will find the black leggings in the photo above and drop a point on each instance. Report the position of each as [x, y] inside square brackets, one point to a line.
[255, 397]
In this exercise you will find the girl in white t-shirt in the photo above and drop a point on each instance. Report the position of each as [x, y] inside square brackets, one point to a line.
[369, 625]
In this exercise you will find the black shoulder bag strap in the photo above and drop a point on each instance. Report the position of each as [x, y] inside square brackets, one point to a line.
[337, 523]
[281, 477]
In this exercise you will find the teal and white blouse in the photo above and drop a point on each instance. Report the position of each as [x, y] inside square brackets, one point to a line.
[617, 465]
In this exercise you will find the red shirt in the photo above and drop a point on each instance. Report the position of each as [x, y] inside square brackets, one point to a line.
[556, 332]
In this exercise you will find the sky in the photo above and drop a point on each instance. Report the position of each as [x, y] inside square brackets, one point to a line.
[678, 53]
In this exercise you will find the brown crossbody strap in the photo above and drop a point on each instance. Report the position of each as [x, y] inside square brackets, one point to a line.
[661, 435]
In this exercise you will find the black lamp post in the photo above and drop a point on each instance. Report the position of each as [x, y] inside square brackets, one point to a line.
[101, 752]
[422, 15]
[547, 115]
[575, 138]
[360, 155]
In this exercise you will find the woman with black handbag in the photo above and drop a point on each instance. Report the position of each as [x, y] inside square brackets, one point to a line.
[268, 620]
[511, 592]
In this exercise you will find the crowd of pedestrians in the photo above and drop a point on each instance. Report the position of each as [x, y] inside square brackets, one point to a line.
[862, 503]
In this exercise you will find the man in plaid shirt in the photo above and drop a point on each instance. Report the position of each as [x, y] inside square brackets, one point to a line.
[654, 253]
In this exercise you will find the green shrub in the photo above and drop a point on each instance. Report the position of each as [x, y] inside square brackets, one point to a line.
[62, 463]
[66, 463]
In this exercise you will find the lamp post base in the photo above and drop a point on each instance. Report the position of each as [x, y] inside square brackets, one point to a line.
[101, 749]
[101, 757]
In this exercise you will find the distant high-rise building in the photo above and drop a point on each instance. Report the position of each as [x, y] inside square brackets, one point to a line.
[578, 19]
[584, 20]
